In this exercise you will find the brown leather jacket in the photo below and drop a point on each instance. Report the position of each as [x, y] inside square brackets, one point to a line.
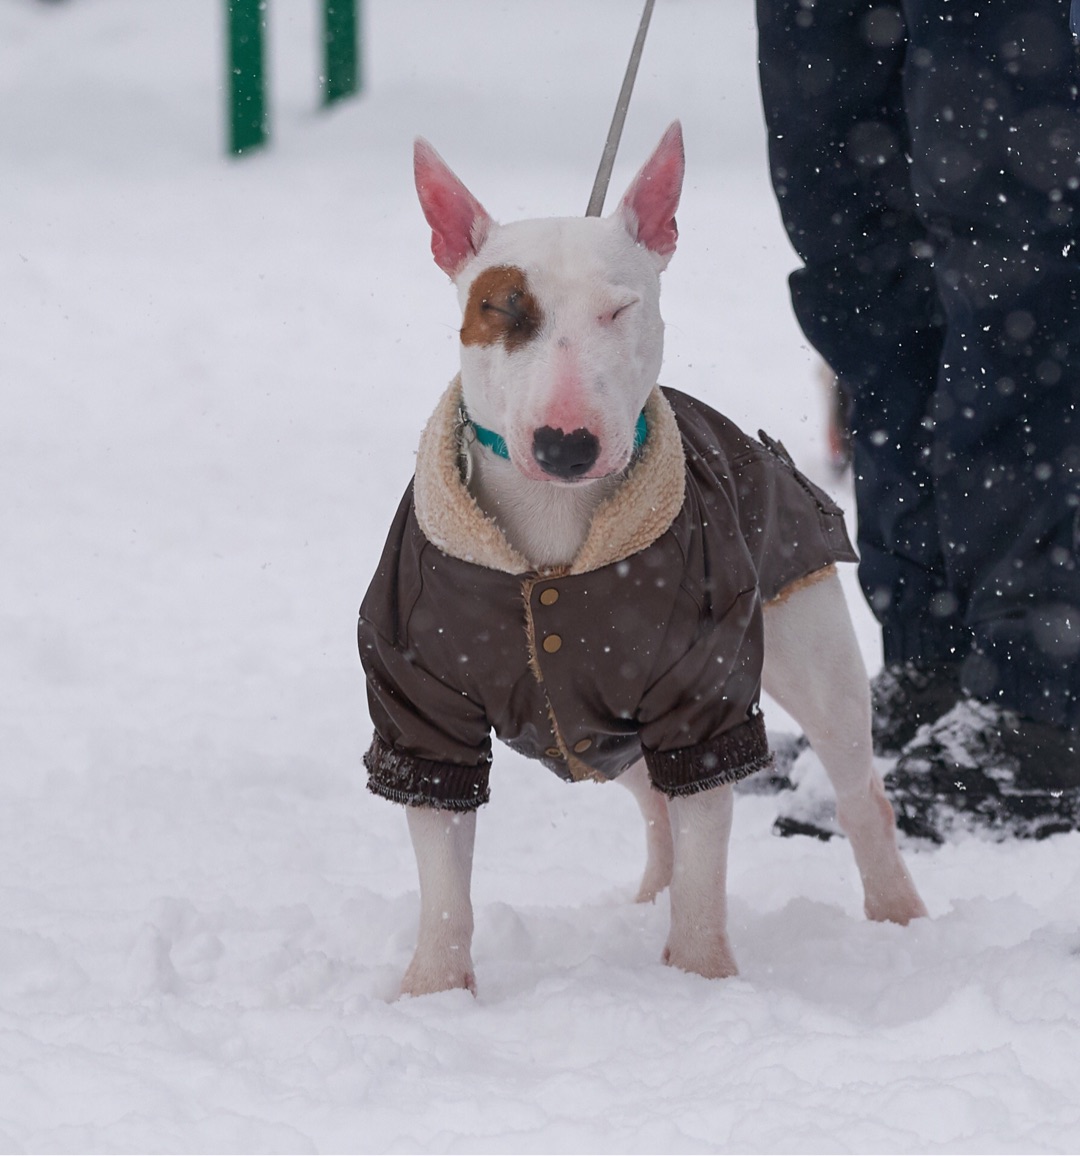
[649, 643]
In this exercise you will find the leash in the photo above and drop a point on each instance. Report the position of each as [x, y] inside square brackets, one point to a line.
[611, 145]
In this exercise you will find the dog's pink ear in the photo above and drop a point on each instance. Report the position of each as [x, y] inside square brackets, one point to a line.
[648, 209]
[459, 223]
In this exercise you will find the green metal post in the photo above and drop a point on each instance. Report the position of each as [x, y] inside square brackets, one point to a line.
[247, 92]
[341, 37]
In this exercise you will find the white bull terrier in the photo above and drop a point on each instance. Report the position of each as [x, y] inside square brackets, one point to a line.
[561, 348]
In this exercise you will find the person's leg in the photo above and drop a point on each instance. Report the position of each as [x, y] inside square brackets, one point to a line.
[990, 94]
[991, 98]
[831, 82]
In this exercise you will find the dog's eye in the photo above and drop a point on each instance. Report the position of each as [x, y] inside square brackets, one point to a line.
[509, 314]
[512, 310]
[619, 310]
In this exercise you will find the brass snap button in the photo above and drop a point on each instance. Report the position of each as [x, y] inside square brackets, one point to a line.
[552, 643]
[549, 596]
[553, 753]
[582, 745]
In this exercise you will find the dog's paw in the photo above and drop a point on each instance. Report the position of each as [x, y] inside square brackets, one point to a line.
[650, 888]
[896, 902]
[890, 892]
[712, 960]
[426, 976]
[658, 871]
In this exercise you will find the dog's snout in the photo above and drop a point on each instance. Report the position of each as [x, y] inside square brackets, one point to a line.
[565, 455]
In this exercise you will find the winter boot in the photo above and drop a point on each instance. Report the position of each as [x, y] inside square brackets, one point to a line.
[810, 807]
[982, 768]
[785, 748]
[904, 696]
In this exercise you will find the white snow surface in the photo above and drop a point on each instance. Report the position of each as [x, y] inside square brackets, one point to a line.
[214, 375]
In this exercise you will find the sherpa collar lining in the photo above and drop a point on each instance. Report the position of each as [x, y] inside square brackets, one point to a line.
[635, 515]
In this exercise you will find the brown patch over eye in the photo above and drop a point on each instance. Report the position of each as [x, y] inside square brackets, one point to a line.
[500, 308]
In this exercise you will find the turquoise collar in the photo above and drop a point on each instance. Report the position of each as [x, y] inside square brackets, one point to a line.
[493, 441]
[497, 444]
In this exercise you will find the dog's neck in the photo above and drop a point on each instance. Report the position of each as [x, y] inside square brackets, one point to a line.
[544, 522]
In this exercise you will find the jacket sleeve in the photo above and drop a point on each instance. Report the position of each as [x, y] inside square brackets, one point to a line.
[432, 746]
[700, 722]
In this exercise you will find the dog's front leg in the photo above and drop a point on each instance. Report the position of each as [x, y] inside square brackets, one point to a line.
[443, 842]
[701, 827]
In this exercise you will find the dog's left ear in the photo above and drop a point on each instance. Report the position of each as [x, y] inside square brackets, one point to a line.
[648, 208]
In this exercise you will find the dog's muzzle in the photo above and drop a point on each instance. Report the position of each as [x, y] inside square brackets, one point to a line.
[565, 455]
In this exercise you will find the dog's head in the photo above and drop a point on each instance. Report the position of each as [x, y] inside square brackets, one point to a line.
[561, 336]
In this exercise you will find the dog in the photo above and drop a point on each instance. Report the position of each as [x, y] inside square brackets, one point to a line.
[604, 573]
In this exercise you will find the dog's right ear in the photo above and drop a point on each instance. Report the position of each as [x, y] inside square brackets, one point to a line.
[459, 223]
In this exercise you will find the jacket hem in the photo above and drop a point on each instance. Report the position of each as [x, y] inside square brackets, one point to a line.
[797, 584]
[417, 782]
[732, 756]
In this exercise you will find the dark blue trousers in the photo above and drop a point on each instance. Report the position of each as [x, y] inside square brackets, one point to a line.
[926, 159]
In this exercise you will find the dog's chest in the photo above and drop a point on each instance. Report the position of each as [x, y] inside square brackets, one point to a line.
[547, 524]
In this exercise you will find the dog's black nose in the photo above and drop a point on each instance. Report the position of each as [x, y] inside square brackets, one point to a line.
[565, 455]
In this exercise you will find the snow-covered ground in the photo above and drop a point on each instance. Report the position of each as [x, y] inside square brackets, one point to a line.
[213, 376]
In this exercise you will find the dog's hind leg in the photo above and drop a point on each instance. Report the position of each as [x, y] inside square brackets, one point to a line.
[698, 942]
[814, 670]
[659, 848]
[443, 842]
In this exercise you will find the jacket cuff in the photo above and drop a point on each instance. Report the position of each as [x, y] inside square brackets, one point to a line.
[417, 782]
[727, 758]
